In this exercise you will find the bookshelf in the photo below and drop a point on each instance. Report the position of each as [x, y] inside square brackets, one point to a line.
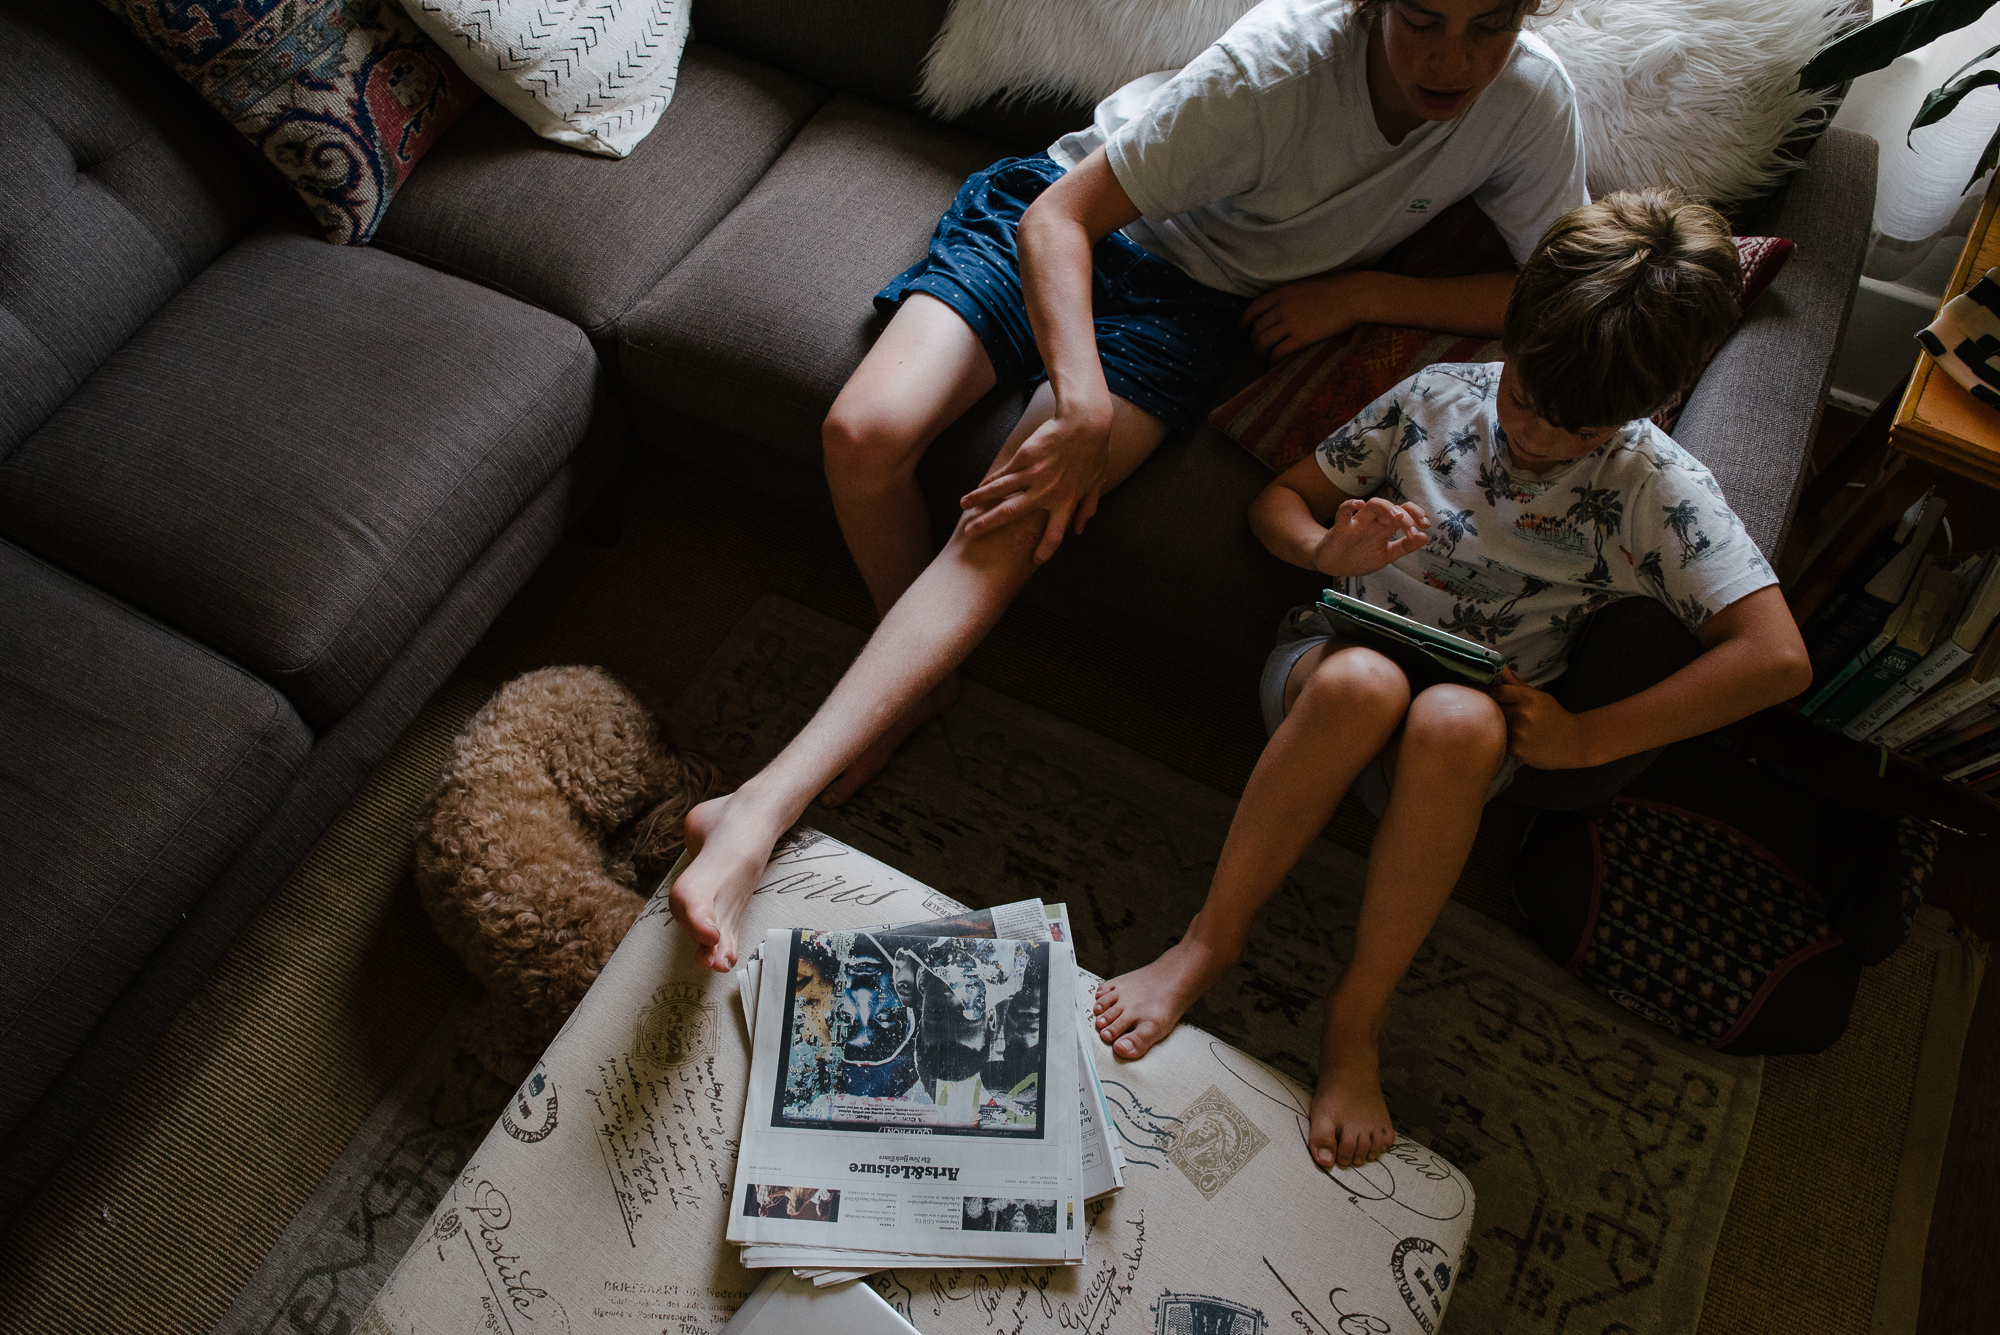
[1934, 435]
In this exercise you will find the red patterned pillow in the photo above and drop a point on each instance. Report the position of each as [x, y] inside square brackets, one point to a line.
[1311, 394]
[342, 95]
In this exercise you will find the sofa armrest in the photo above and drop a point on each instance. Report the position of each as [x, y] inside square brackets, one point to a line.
[1754, 413]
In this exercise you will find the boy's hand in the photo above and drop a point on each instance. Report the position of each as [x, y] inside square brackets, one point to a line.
[1299, 314]
[1540, 732]
[1367, 535]
[1060, 468]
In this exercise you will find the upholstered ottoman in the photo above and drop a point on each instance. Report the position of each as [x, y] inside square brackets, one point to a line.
[598, 1201]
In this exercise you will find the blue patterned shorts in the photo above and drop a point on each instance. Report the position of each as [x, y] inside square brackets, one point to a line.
[1165, 340]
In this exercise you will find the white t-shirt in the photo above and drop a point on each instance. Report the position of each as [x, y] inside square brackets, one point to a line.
[1518, 560]
[1261, 162]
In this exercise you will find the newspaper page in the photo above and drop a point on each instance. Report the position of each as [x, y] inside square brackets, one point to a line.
[897, 1089]
[1029, 920]
[1032, 920]
[1103, 1156]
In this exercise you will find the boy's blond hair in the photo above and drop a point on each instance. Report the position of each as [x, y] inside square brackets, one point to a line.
[1620, 308]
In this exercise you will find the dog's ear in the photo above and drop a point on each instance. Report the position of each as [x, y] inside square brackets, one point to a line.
[685, 779]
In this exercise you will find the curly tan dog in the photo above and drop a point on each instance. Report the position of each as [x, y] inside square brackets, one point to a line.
[559, 794]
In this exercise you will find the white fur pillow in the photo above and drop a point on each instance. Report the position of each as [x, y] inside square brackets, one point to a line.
[1063, 48]
[1695, 94]
[593, 74]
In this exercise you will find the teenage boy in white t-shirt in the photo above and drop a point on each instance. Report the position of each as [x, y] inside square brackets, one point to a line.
[1310, 139]
[1503, 503]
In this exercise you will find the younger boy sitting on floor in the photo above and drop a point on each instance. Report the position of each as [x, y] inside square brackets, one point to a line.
[1503, 503]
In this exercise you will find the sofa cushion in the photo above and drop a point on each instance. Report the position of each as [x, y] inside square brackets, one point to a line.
[755, 330]
[586, 237]
[872, 47]
[301, 453]
[104, 157]
[133, 765]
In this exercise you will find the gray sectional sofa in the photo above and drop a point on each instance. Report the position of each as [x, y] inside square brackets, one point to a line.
[259, 494]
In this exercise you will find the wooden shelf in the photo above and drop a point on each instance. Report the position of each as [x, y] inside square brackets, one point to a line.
[1937, 421]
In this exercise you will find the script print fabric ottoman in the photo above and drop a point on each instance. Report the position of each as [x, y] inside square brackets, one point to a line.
[597, 1203]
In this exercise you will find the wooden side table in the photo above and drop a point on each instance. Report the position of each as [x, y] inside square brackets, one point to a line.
[1938, 422]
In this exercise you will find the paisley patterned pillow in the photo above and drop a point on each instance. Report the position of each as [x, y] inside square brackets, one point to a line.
[342, 95]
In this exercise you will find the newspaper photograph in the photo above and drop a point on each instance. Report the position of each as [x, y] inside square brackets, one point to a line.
[943, 1033]
[905, 1081]
[1028, 920]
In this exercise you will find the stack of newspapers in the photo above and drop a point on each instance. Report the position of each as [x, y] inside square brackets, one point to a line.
[921, 1094]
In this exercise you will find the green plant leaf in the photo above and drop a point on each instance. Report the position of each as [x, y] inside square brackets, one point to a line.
[1943, 101]
[1872, 46]
[1987, 54]
[1987, 157]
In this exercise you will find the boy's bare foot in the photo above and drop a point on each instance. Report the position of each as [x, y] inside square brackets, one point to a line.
[870, 762]
[731, 838]
[1350, 1119]
[1136, 1010]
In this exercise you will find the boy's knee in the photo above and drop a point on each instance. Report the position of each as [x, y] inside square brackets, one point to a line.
[860, 446]
[1459, 718]
[1358, 678]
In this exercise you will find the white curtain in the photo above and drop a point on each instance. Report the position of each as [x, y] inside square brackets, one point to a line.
[1917, 189]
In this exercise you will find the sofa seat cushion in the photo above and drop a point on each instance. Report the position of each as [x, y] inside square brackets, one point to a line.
[758, 328]
[587, 236]
[133, 765]
[300, 454]
[114, 192]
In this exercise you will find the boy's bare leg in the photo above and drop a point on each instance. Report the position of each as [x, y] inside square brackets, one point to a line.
[925, 370]
[1453, 742]
[1345, 705]
[925, 635]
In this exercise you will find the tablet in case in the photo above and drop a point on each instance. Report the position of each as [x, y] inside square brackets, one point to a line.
[1430, 656]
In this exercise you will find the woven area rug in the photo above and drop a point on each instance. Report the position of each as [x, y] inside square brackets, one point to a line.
[1603, 1153]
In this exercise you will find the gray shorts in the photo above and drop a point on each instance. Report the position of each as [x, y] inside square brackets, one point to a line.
[1304, 629]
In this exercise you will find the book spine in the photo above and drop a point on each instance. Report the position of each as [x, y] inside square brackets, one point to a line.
[1830, 692]
[1946, 741]
[1961, 760]
[1977, 772]
[1905, 692]
[1883, 671]
[1949, 700]
[1859, 619]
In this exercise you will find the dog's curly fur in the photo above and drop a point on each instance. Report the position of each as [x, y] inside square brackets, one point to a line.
[557, 797]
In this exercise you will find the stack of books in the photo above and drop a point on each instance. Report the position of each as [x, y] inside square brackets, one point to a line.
[1906, 654]
[921, 1094]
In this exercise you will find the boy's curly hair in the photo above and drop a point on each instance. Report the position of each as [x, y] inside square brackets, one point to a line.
[1620, 307]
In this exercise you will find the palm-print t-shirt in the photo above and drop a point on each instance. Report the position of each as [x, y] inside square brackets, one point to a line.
[1519, 560]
